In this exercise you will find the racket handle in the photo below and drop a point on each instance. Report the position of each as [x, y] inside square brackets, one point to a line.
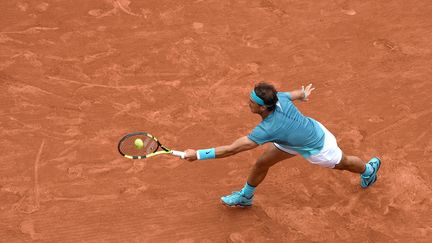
[178, 153]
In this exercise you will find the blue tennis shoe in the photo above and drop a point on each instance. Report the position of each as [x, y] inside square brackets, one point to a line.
[367, 181]
[237, 199]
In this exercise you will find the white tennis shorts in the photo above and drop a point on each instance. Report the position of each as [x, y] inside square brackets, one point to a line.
[329, 156]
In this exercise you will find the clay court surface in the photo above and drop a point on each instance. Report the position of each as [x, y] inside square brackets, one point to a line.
[75, 76]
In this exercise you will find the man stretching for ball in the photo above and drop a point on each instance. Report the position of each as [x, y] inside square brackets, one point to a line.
[291, 133]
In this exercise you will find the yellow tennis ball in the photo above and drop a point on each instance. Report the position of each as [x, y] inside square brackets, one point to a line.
[139, 144]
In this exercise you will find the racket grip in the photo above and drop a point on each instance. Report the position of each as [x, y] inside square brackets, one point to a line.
[178, 154]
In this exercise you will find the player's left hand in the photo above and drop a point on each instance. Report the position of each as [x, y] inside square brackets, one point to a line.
[307, 91]
[190, 155]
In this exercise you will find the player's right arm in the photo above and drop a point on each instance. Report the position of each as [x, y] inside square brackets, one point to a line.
[239, 145]
[301, 94]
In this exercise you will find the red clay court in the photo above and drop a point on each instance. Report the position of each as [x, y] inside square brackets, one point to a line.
[75, 76]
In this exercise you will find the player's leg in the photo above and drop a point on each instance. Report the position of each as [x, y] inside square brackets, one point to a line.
[351, 163]
[270, 157]
[368, 171]
[257, 174]
[331, 156]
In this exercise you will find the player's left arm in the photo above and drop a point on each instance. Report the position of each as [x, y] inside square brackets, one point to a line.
[302, 94]
[239, 145]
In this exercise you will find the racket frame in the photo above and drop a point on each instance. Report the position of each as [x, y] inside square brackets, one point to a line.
[164, 150]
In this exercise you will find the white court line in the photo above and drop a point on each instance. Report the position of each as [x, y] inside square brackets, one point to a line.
[36, 176]
[32, 30]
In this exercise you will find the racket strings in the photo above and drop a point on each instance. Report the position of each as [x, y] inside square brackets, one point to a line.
[128, 146]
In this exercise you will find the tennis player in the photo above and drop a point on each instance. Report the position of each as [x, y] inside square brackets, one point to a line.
[290, 133]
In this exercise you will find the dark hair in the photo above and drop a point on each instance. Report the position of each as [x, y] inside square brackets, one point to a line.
[267, 93]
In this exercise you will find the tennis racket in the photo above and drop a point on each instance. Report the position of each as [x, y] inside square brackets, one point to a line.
[150, 147]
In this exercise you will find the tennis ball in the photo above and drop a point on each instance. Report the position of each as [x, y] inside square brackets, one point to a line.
[139, 144]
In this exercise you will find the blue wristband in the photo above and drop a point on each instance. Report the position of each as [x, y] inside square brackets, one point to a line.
[206, 154]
